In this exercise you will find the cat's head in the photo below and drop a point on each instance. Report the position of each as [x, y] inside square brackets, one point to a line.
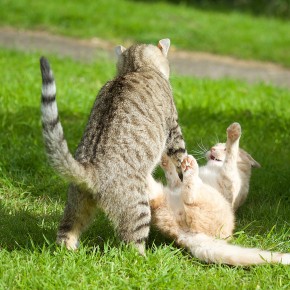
[216, 157]
[142, 55]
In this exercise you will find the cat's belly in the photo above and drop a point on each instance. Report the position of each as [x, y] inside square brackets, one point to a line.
[174, 201]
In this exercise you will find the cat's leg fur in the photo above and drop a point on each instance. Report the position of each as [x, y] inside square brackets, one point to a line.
[171, 175]
[156, 189]
[191, 181]
[133, 221]
[78, 214]
[176, 145]
[230, 185]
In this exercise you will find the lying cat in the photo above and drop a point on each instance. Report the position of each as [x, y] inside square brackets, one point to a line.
[198, 213]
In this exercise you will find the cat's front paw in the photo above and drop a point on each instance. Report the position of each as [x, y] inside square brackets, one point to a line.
[189, 164]
[165, 162]
[234, 132]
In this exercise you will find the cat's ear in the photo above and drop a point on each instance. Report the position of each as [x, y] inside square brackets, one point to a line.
[164, 45]
[119, 50]
[253, 162]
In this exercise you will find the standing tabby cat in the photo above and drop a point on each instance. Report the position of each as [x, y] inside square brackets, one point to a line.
[197, 215]
[133, 121]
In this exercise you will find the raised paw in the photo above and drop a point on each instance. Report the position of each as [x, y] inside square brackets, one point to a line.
[165, 162]
[189, 164]
[234, 131]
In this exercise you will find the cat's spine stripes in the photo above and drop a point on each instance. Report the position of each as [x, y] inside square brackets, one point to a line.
[212, 250]
[56, 145]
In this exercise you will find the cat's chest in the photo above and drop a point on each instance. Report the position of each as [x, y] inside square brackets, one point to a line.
[209, 175]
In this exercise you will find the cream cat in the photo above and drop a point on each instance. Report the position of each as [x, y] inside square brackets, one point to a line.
[198, 213]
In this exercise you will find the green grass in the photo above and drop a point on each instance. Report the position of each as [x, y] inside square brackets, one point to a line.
[32, 196]
[229, 32]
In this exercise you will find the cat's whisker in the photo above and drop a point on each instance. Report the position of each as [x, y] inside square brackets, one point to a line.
[217, 138]
[198, 151]
[201, 146]
[199, 158]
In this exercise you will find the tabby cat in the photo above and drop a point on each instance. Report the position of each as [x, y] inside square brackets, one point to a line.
[132, 123]
[199, 212]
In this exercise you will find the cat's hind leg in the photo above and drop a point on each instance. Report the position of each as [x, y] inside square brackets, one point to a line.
[133, 218]
[79, 212]
[230, 185]
[234, 133]
[126, 203]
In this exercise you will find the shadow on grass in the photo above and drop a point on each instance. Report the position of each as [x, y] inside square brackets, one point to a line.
[21, 229]
[24, 166]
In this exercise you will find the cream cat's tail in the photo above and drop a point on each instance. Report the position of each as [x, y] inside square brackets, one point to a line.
[212, 250]
[56, 145]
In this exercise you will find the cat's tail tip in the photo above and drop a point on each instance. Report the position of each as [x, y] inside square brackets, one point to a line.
[44, 62]
[212, 250]
[46, 72]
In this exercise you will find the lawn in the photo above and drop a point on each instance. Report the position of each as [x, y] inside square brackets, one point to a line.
[32, 196]
[227, 32]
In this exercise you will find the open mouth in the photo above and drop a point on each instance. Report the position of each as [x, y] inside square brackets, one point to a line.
[213, 158]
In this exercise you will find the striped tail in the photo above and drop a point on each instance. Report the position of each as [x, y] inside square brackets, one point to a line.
[212, 250]
[56, 145]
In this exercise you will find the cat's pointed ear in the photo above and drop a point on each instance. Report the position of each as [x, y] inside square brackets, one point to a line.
[253, 162]
[164, 45]
[119, 50]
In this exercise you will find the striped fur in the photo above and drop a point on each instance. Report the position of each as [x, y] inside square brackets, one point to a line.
[56, 145]
[198, 215]
[133, 121]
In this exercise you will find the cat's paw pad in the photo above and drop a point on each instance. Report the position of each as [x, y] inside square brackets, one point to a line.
[165, 162]
[234, 131]
[188, 163]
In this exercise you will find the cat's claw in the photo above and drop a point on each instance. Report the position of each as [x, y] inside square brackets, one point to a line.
[234, 131]
[188, 163]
